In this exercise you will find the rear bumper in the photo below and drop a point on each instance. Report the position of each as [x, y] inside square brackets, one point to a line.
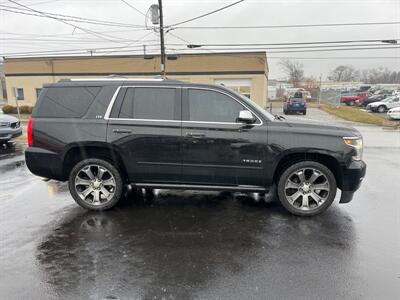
[352, 178]
[296, 109]
[44, 163]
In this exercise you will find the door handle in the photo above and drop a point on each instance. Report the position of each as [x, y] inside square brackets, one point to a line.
[195, 135]
[122, 131]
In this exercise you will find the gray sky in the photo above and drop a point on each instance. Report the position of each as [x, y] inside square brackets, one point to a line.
[22, 33]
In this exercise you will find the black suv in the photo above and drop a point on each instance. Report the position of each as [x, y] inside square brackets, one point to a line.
[105, 135]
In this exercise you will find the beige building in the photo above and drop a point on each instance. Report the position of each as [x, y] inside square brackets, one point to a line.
[246, 72]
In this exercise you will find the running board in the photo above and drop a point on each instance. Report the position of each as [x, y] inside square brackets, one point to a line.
[242, 188]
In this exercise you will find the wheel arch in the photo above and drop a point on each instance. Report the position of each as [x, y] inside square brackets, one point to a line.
[79, 151]
[324, 158]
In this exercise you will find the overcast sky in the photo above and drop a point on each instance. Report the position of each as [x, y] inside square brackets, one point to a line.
[23, 33]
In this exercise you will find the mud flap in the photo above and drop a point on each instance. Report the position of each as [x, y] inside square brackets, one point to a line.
[346, 197]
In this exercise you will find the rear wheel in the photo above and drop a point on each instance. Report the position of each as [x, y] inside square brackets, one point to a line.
[307, 188]
[95, 184]
[304, 112]
[351, 103]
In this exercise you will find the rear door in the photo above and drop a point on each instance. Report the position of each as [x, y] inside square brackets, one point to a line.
[216, 149]
[145, 126]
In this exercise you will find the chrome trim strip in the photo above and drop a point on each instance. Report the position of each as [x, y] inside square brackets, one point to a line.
[110, 106]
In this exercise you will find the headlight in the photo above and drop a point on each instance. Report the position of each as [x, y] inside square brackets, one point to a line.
[356, 143]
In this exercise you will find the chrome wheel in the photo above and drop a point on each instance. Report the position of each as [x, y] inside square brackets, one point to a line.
[95, 184]
[307, 189]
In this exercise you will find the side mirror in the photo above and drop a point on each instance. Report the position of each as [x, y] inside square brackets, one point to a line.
[246, 116]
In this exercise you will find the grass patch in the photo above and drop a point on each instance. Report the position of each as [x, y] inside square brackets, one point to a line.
[356, 115]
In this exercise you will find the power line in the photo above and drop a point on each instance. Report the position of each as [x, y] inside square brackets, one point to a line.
[288, 26]
[206, 14]
[32, 12]
[292, 43]
[293, 51]
[134, 8]
[65, 22]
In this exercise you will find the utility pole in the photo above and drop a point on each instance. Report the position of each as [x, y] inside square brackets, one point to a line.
[163, 73]
[320, 90]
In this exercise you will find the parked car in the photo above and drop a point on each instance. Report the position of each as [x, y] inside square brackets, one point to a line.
[394, 113]
[371, 99]
[353, 99]
[295, 105]
[10, 127]
[104, 135]
[384, 105]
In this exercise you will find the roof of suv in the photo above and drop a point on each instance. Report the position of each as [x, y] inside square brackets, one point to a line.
[127, 81]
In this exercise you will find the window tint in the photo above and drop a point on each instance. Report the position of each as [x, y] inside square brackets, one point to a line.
[210, 106]
[149, 103]
[67, 102]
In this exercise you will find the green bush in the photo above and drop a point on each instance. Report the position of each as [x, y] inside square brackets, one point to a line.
[23, 109]
[9, 109]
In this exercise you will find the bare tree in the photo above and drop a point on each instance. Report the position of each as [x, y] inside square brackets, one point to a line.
[344, 73]
[294, 70]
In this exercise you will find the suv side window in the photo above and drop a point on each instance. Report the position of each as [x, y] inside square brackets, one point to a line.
[66, 102]
[149, 103]
[212, 106]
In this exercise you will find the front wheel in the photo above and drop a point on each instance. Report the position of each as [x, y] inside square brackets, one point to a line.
[381, 109]
[95, 184]
[307, 188]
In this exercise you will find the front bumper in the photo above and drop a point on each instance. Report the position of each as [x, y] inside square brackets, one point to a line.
[353, 175]
[7, 134]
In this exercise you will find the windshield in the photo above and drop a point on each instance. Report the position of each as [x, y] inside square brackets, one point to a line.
[252, 103]
[388, 99]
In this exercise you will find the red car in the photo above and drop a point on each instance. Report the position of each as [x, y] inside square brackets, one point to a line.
[358, 99]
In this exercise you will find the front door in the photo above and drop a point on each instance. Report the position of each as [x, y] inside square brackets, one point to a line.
[216, 149]
[145, 127]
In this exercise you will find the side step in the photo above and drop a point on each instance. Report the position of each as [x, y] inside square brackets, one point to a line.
[242, 188]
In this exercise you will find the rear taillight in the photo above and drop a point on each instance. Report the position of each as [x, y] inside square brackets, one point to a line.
[30, 132]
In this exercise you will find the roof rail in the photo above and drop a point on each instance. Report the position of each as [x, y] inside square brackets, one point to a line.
[112, 79]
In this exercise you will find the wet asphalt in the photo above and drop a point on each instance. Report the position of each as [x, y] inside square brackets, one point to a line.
[199, 245]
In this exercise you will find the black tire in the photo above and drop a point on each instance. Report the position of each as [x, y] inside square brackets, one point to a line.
[351, 103]
[381, 108]
[118, 190]
[285, 112]
[304, 165]
[304, 113]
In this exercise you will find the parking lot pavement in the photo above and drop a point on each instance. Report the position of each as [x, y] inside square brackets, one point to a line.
[197, 245]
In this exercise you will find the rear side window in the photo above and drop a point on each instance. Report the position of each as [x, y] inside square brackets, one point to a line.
[149, 103]
[66, 102]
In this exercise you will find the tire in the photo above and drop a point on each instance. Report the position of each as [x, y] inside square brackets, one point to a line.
[292, 190]
[285, 112]
[91, 180]
[351, 103]
[381, 108]
[304, 113]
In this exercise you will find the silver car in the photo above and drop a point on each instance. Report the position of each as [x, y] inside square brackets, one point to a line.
[10, 127]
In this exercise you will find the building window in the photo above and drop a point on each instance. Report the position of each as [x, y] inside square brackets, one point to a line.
[240, 85]
[19, 93]
[38, 91]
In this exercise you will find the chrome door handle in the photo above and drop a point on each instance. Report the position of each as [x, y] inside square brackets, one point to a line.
[122, 131]
[195, 135]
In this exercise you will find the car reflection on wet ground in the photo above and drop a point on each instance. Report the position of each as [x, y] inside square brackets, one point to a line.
[197, 245]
